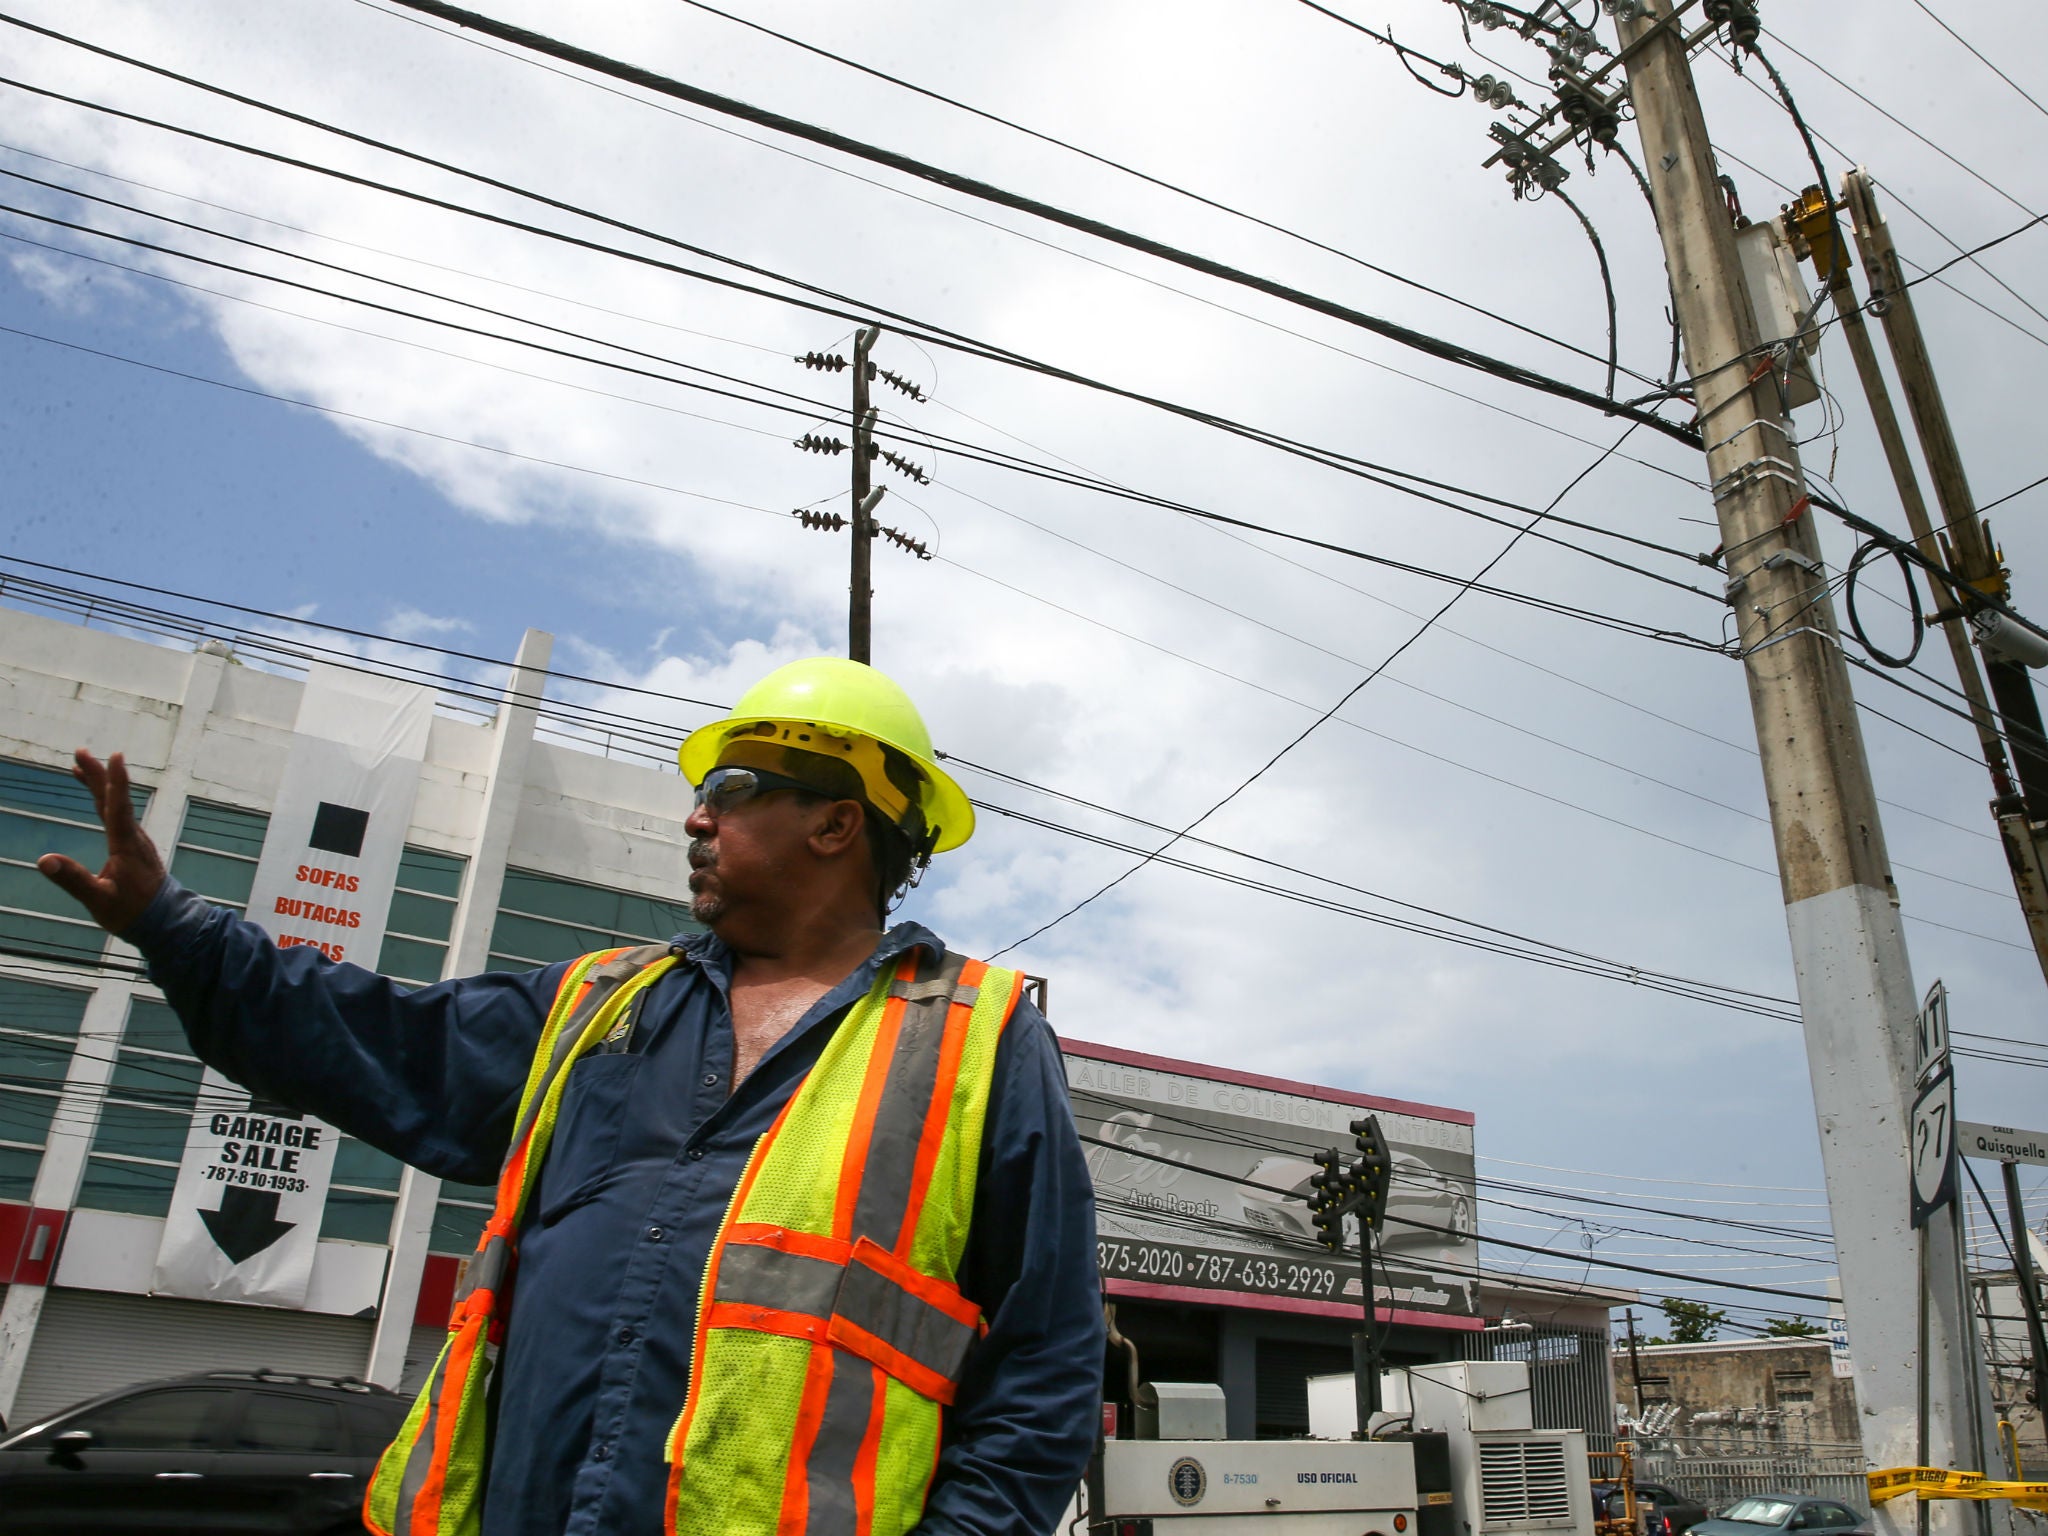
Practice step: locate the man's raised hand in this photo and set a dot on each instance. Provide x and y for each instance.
(134, 871)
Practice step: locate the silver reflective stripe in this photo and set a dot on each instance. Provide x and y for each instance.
(887, 1174)
(768, 1277)
(420, 1454)
(880, 1306)
(487, 1269)
(828, 1473)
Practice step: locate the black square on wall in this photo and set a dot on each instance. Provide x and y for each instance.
(339, 829)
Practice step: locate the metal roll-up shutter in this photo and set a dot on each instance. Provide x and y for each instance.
(422, 1349)
(89, 1342)
(1284, 1367)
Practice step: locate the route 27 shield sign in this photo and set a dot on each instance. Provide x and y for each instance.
(1932, 1147)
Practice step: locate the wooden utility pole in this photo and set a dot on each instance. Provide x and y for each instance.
(1856, 989)
(860, 589)
(1962, 544)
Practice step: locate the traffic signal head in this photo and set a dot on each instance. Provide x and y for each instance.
(1374, 1169)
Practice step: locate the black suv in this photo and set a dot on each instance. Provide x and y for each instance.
(222, 1451)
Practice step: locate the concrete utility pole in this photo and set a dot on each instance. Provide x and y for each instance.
(1855, 985)
(861, 590)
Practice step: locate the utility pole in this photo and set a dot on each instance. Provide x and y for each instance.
(860, 589)
(1964, 545)
(860, 583)
(1635, 1364)
(1855, 984)
(2029, 1284)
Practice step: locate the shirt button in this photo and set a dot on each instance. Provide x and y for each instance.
(655, 1234)
(710, 1079)
(625, 1335)
(696, 1154)
(601, 1453)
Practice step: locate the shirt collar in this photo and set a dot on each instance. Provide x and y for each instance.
(709, 953)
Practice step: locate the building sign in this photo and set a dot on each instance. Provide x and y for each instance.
(1201, 1178)
(245, 1215)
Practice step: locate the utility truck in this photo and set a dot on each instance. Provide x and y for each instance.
(1453, 1451)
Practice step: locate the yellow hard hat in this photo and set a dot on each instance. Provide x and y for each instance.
(844, 711)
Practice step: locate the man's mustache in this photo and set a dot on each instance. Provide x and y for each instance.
(702, 854)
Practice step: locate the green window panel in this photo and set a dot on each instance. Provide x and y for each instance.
(357, 1216)
(542, 920)
(45, 810)
(421, 917)
(409, 960)
(435, 874)
(38, 1031)
(116, 1184)
(223, 828)
(159, 1082)
(18, 1173)
(32, 1061)
(459, 1223)
(128, 1130)
(217, 850)
(361, 1166)
(41, 1009)
(152, 1026)
(25, 1118)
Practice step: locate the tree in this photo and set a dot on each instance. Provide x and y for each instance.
(1790, 1328)
(1693, 1322)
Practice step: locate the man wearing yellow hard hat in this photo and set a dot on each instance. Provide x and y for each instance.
(802, 1236)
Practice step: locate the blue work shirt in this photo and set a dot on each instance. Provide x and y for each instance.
(649, 1146)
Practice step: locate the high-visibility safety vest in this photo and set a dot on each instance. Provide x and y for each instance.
(830, 1333)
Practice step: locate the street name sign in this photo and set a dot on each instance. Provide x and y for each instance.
(2001, 1143)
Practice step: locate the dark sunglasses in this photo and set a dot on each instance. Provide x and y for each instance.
(725, 788)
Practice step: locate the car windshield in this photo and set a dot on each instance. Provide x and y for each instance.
(1758, 1511)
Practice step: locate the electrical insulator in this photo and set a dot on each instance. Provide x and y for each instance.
(810, 442)
(1574, 105)
(824, 522)
(899, 382)
(1491, 17)
(1739, 17)
(1550, 175)
(828, 362)
(903, 540)
(1605, 126)
(901, 465)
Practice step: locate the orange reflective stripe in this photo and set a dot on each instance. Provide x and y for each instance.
(938, 1294)
(832, 1250)
(856, 1340)
(756, 1318)
(939, 1114)
(796, 1483)
(877, 1078)
(426, 1509)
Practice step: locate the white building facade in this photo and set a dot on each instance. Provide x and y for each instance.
(520, 852)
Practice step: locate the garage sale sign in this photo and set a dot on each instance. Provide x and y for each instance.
(245, 1215)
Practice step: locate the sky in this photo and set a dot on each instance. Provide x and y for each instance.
(1525, 769)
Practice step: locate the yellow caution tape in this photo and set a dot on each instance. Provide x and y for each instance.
(1944, 1483)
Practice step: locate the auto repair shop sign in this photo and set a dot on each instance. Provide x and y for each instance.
(1201, 1183)
(252, 1186)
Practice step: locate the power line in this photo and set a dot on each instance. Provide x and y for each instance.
(801, 406)
(987, 192)
(1349, 694)
(1602, 620)
(911, 328)
(1981, 59)
(1118, 166)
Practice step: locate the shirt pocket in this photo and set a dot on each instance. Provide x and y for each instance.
(586, 1141)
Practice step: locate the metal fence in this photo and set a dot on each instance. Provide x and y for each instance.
(1569, 1378)
(1717, 1478)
